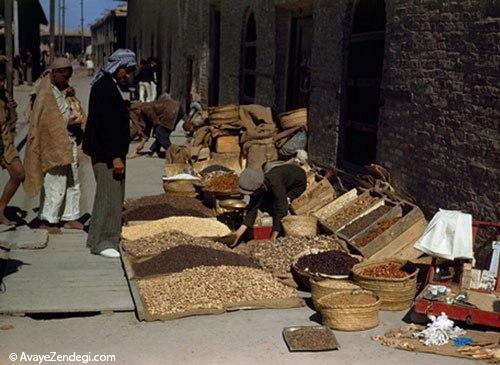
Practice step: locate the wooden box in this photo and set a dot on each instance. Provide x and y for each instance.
(396, 241)
(314, 198)
(329, 209)
(227, 144)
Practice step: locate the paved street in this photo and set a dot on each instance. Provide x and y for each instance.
(244, 337)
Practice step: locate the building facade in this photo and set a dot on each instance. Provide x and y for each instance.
(412, 85)
(109, 34)
(72, 40)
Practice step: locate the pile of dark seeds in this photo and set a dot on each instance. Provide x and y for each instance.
(310, 339)
(163, 206)
(327, 262)
(183, 257)
(361, 223)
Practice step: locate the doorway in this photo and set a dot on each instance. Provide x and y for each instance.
(214, 63)
(248, 62)
(299, 75)
(361, 103)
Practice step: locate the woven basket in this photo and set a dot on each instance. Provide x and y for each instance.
(300, 225)
(225, 114)
(394, 293)
(180, 187)
(303, 278)
(293, 118)
(355, 310)
(322, 288)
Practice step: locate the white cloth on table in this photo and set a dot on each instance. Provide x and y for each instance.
(448, 235)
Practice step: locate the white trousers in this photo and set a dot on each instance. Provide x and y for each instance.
(144, 91)
(153, 91)
(61, 186)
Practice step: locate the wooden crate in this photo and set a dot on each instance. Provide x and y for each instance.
(346, 204)
(329, 209)
(314, 198)
(227, 144)
(398, 240)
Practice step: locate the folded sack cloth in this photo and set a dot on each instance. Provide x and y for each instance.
(448, 235)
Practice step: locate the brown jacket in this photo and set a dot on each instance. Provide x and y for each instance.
(48, 144)
(161, 112)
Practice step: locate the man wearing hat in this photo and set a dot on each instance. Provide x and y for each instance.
(106, 141)
(51, 160)
(276, 187)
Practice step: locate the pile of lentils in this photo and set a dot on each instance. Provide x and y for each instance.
(328, 262)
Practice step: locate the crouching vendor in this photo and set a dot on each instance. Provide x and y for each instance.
(274, 188)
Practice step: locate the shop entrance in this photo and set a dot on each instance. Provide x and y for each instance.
(299, 74)
(248, 62)
(360, 108)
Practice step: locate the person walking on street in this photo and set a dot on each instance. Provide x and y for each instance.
(29, 68)
(51, 152)
(144, 79)
(10, 160)
(106, 141)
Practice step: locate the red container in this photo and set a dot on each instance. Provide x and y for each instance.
(262, 233)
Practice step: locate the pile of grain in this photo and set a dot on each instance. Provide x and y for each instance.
(193, 226)
(184, 257)
(213, 288)
(222, 182)
(277, 257)
(163, 206)
(311, 339)
(158, 243)
(351, 211)
(380, 228)
(361, 223)
(390, 270)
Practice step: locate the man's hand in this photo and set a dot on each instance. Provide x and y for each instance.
(274, 235)
(239, 232)
(70, 91)
(118, 166)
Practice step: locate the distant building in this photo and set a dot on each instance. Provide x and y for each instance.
(72, 40)
(31, 16)
(109, 34)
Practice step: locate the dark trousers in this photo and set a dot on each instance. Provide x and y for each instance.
(106, 222)
(162, 139)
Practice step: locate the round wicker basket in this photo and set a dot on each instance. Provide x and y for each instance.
(355, 310)
(293, 118)
(300, 225)
(322, 288)
(394, 293)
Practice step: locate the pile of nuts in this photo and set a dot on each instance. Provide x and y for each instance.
(351, 211)
(205, 288)
(223, 182)
(184, 257)
(278, 256)
(375, 232)
(196, 227)
(390, 270)
(156, 244)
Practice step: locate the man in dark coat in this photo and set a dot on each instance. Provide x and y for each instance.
(106, 141)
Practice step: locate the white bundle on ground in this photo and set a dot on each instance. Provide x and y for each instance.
(439, 332)
(193, 226)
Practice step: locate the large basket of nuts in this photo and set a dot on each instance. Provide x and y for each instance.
(394, 281)
(322, 288)
(355, 310)
(300, 225)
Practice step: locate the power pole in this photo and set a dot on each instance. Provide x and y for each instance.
(81, 23)
(51, 29)
(16, 29)
(63, 26)
(8, 45)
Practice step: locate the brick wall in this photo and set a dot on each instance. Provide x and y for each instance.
(438, 133)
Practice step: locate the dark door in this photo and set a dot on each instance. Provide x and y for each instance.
(248, 63)
(360, 110)
(214, 73)
(299, 75)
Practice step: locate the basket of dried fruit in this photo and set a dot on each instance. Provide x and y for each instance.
(300, 225)
(354, 310)
(322, 288)
(220, 185)
(321, 264)
(394, 281)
